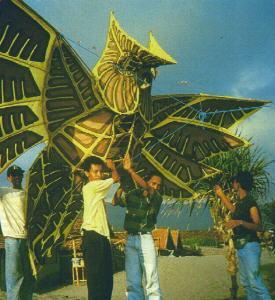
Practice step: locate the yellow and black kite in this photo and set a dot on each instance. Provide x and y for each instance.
(47, 94)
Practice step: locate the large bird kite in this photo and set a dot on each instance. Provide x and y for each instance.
(47, 94)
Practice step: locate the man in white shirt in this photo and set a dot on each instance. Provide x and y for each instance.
(19, 280)
(96, 238)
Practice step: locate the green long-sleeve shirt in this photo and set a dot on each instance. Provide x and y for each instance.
(141, 211)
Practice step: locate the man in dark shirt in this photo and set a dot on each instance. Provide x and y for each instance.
(142, 207)
(245, 222)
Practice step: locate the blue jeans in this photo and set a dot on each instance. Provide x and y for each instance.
(249, 267)
(141, 259)
(19, 279)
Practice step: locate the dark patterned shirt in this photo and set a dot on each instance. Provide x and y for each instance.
(141, 211)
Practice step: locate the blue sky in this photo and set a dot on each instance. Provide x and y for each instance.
(222, 47)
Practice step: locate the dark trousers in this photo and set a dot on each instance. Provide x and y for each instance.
(98, 265)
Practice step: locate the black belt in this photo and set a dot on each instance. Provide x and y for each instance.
(139, 233)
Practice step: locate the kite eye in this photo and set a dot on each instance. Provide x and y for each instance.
(128, 64)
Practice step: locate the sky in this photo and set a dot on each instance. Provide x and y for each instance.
(222, 47)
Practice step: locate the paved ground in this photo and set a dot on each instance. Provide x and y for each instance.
(188, 278)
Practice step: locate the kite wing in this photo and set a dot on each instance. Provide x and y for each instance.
(177, 146)
(25, 47)
(43, 83)
(54, 201)
(222, 111)
(186, 130)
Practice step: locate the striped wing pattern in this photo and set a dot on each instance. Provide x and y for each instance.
(54, 202)
(69, 87)
(25, 47)
(221, 111)
(188, 129)
(43, 83)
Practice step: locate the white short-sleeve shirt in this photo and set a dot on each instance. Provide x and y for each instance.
(12, 212)
(94, 216)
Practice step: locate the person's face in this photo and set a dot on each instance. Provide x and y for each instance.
(235, 185)
(95, 172)
(16, 180)
(155, 183)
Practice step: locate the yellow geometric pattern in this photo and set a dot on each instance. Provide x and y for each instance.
(48, 95)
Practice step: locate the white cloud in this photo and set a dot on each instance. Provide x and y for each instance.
(261, 128)
(252, 79)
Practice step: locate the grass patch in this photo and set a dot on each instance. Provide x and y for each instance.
(201, 238)
(268, 273)
(201, 242)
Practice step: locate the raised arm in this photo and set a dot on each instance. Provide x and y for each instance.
(127, 165)
(225, 200)
(111, 165)
(79, 179)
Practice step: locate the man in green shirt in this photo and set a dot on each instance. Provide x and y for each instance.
(142, 207)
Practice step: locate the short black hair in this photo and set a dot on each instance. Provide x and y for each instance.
(151, 174)
(15, 171)
(245, 179)
(91, 160)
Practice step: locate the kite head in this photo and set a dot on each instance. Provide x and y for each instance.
(126, 69)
